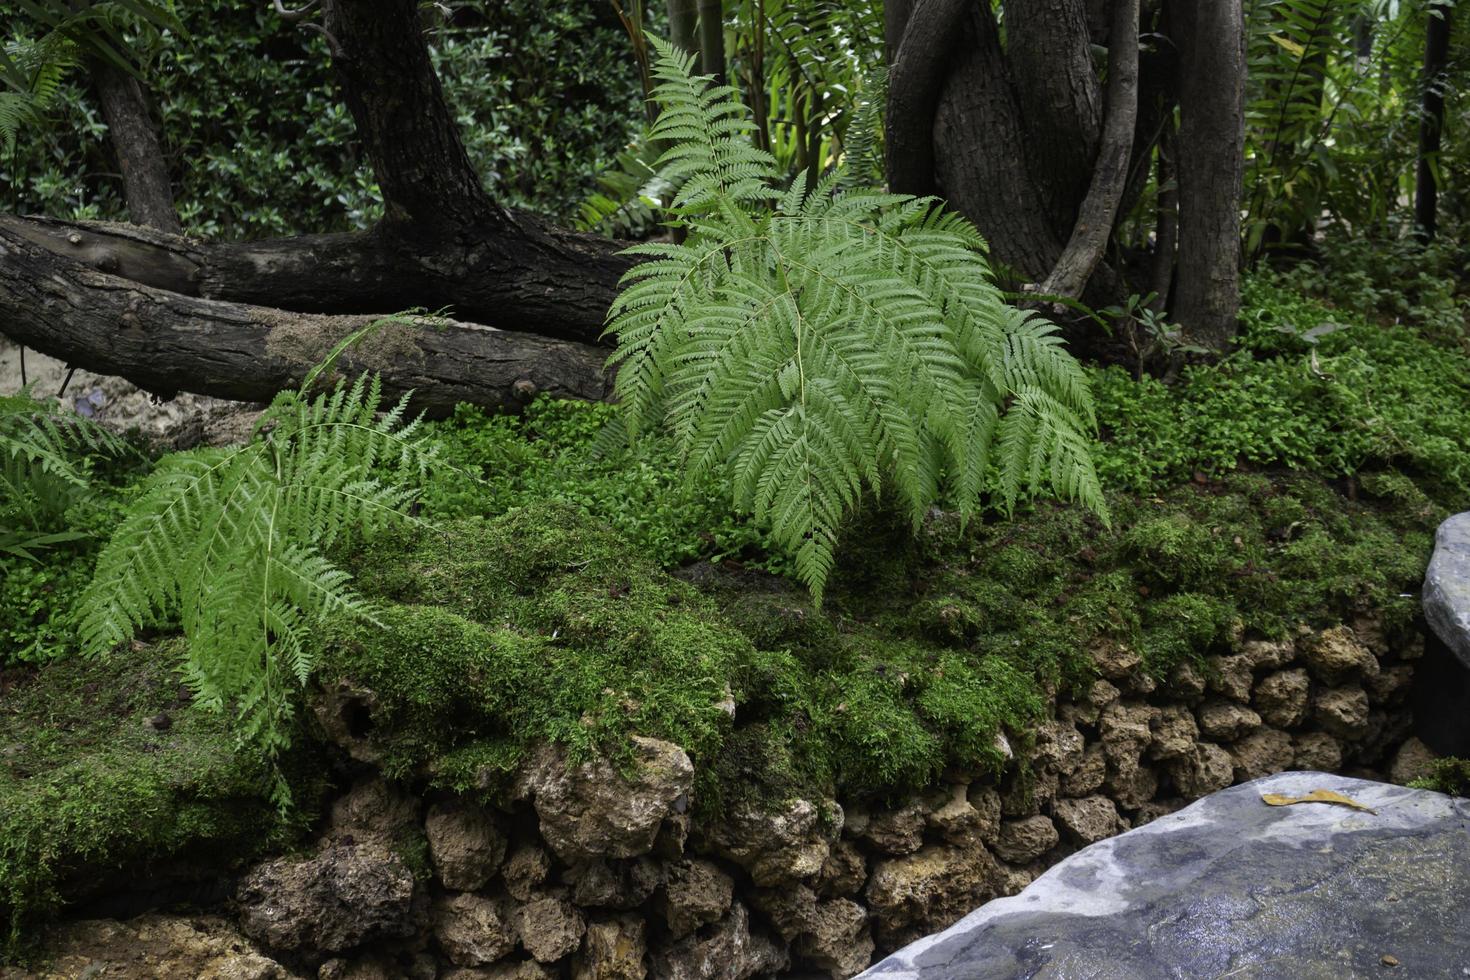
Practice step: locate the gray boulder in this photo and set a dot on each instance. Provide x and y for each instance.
(1233, 887)
(1447, 586)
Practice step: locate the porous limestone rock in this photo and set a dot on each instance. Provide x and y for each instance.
(1087, 820)
(837, 938)
(1174, 733)
(1310, 890)
(1089, 775)
(730, 951)
(1226, 721)
(465, 845)
(472, 930)
(695, 893)
(524, 871)
(1414, 760)
(1058, 747)
(1282, 698)
(899, 831)
(1342, 711)
(614, 949)
(1022, 841)
(1316, 751)
(616, 885)
(1231, 676)
(1202, 772)
(341, 897)
(374, 806)
(1261, 753)
(1335, 656)
(550, 928)
(1268, 654)
(522, 970)
(593, 810)
(916, 893)
(954, 817)
(844, 871)
(786, 844)
(158, 947)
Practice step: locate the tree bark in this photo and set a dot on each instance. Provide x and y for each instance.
(1049, 62)
(528, 277)
(1099, 210)
(980, 151)
(712, 39)
(1166, 227)
(1211, 144)
(683, 18)
(166, 342)
(915, 81)
(139, 156)
(1431, 118)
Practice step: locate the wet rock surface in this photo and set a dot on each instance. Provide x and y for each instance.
(1447, 586)
(1231, 886)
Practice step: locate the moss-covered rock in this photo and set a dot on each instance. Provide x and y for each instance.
(105, 765)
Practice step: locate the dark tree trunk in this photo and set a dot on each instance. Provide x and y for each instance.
(528, 278)
(683, 18)
(915, 80)
(140, 158)
(166, 342)
(1431, 118)
(1049, 61)
(1166, 227)
(712, 39)
(1211, 42)
(1099, 210)
(980, 151)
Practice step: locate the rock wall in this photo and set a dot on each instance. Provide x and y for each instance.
(596, 871)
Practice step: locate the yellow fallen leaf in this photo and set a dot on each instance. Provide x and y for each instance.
(1315, 796)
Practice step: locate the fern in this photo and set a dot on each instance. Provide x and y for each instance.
(232, 543)
(816, 344)
(43, 470)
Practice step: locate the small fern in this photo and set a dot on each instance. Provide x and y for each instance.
(232, 544)
(816, 344)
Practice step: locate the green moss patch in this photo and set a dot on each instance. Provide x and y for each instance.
(104, 765)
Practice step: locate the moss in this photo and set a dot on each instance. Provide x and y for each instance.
(1448, 775)
(88, 786)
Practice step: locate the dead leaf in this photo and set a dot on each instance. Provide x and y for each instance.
(1315, 796)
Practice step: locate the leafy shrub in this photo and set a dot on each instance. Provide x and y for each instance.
(1314, 388)
(816, 344)
(260, 144)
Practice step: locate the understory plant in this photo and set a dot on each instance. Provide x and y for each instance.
(816, 343)
(233, 544)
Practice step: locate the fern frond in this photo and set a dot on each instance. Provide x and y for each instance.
(831, 343)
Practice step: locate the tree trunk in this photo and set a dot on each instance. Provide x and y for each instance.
(712, 39)
(1166, 227)
(1431, 119)
(135, 142)
(528, 277)
(1211, 146)
(683, 17)
(915, 80)
(166, 342)
(1094, 225)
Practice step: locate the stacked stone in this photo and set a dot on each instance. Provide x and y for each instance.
(594, 873)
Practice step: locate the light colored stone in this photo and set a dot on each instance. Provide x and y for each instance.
(614, 949)
(954, 818)
(1088, 820)
(550, 928)
(1131, 783)
(1447, 586)
(1115, 661)
(522, 970)
(788, 844)
(837, 939)
(1058, 748)
(1268, 654)
(593, 809)
(1414, 760)
(472, 930)
(339, 898)
(1262, 753)
(1335, 656)
(1023, 794)
(695, 893)
(1342, 711)
(1338, 890)
(1022, 841)
(465, 844)
(1282, 698)
(1226, 721)
(1186, 680)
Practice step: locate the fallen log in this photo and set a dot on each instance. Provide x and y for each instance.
(167, 341)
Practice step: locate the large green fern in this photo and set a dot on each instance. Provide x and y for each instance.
(232, 544)
(818, 343)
